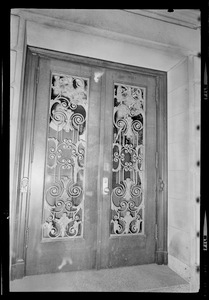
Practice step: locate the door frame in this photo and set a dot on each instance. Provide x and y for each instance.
(26, 153)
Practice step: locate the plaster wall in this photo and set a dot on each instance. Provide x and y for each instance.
(154, 46)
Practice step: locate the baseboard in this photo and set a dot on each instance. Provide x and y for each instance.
(179, 267)
(17, 270)
(161, 257)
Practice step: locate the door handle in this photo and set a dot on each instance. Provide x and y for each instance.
(106, 189)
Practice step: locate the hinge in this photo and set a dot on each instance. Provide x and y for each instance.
(26, 237)
(161, 185)
(156, 232)
(24, 185)
(156, 159)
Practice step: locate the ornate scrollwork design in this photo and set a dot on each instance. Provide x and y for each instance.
(132, 205)
(119, 191)
(64, 209)
(121, 124)
(137, 125)
(77, 119)
(54, 230)
(63, 206)
(128, 132)
(136, 225)
(66, 154)
(60, 117)
(74, 88)
(123, 205)
(136, 191)
(67, 109)
(118, 225)
(53, 192)
(73, 227)
(75, 191)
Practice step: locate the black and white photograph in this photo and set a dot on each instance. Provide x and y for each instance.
(105, 150)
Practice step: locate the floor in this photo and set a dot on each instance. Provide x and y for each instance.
(143, 278)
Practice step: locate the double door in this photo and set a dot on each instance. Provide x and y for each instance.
(92, 182)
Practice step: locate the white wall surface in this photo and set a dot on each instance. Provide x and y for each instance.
(100, 47)
(124, 25)
(183, 172)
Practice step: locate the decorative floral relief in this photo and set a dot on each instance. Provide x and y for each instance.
(63, 203)
(128, 147)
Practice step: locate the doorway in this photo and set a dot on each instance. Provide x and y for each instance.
(96, 194)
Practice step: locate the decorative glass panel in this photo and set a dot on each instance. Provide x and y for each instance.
(127, 204)
(64, 173)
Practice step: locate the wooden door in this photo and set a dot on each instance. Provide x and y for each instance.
(92, 201)
(128, 215)
(62, 223)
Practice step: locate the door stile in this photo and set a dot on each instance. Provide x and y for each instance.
(107, 167)
(32, 205)
(157, 167)
(100, 169)
(161, 193)
(27, 124)
(32, 132)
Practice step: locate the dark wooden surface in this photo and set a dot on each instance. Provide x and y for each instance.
(130, 249)
(47, 256)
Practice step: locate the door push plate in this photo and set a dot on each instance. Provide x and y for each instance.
(105, 186)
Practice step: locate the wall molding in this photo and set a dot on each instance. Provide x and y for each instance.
(186, 17)
(53, 21)
(95, 46)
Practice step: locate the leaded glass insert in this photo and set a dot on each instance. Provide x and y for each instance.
(127, 201)
(64, 172)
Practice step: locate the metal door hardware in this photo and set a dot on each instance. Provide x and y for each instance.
(106, 189)
(24, 185)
